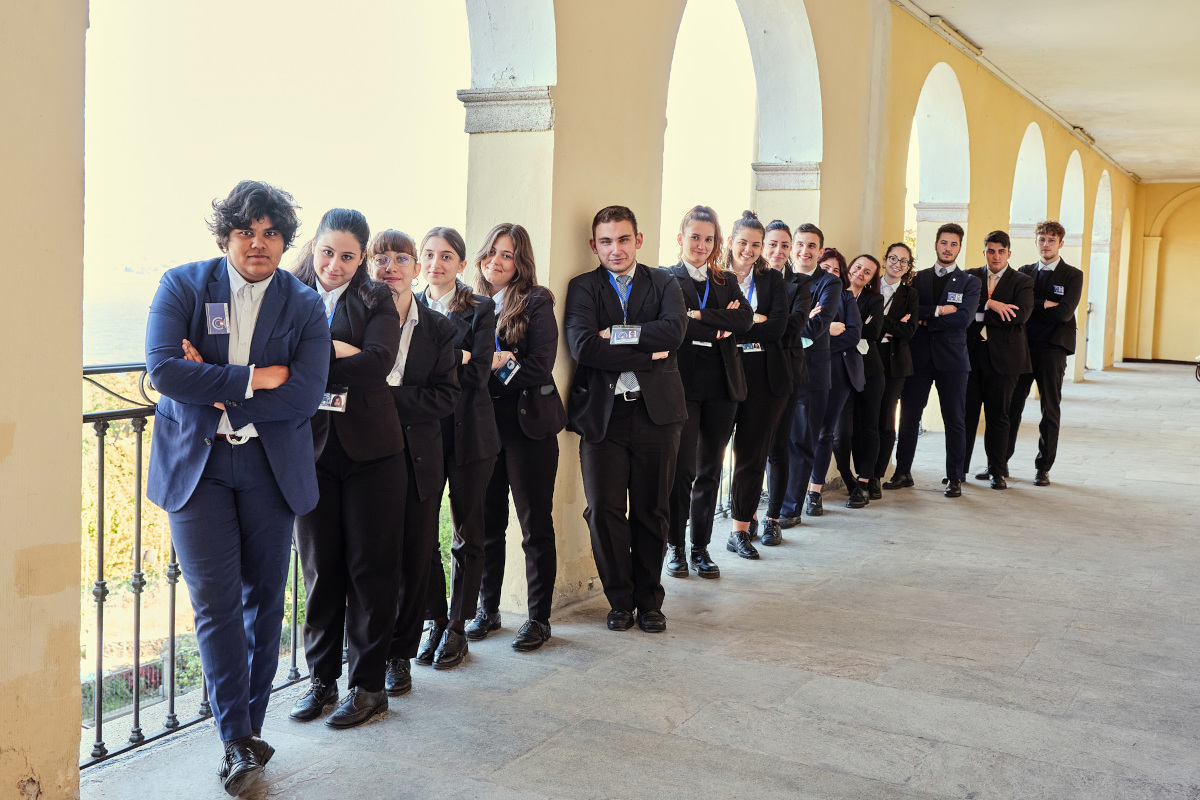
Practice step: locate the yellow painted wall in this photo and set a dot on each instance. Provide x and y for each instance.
(41, 171)
(1176, 333)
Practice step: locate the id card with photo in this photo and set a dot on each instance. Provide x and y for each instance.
(750, 347)
(333, 401)
(1060, 290)
(218, 318)
(954, 297)
(625, 334)
(506, 370)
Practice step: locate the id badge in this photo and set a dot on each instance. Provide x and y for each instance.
(751, 347)
(333, 401)
(506, 371)
(954, 297)
(218, 318)
(625, 334)
(1060, 290)
(806, 342)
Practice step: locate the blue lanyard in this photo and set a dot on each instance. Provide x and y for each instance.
(497, 338)
(331, 313)
(707, 287)
(750, 294)
(622, 296)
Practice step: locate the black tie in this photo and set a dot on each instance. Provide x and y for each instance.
(1043, 281)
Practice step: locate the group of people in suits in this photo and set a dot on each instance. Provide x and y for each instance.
(332, 405)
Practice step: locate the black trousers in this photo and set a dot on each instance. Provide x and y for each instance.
(632, 469)
(701, 456)
(351, 548)
(858, 432)
(1049, 368)
(892, 389)
(807, 416)
(528, 467)
(952, 396)
(757, 419)
(993, 391)
(468, 489)
(777, 457)
(420, 542)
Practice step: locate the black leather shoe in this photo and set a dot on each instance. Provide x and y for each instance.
(857, 498)
(873, 489)
(998, 482)
(484, 623)
(812, 505)
(450, 649)
(241, 765)
(752, 532)
(429, 643)
(262, 751)
(900, 480)
(397, 679)
(739, 542)
(704, 565)
(313, 702)
(620, 620)
(953, 488)
(358, 707)
(1042, 478)
(771, 536)
(533, 634)
(982, 476)
(652, 621)
(676, 562)
(790, 522)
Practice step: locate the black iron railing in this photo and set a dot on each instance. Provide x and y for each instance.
(121, 691)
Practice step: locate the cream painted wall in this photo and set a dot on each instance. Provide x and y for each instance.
(41, 170)
(1176, 334)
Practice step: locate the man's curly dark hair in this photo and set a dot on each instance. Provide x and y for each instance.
(250, 201)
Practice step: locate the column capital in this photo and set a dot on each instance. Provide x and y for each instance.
(1022, 230)
(791, 175)
(506, 109)
(941, 212)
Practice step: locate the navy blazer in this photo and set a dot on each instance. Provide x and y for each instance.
(940, 343)
(799, 293)
(844, 346)
(870, 310)
(825, 290)
(291, 330)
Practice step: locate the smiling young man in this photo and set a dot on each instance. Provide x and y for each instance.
(1051, 331)
(624, 321)
(240, 353)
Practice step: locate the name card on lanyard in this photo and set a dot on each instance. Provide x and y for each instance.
(625, 333)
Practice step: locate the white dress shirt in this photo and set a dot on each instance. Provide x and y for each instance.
(699, 274)
(1052, 265)
(396, 376)
(745, 287)
(439, 305)
(245, 302)
(498, 299)
(330, 299)
(888, 290)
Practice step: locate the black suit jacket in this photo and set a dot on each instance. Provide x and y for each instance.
(474, 435)
(716, 317)
(772, 297)
(540, 409)
(904, 303)
(799, 292)
(870, 311)
(368, 428)
(1054, 326)
(656, 303)
(941, 343)
(1006, 345)
(429, 392)
(826, 289)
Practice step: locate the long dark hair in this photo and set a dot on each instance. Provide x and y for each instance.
(873, 284)
(780, 225)
(514, 317)
(343, 220)
(748, 220)
(706, 214)
(832, 252)
(462, 299)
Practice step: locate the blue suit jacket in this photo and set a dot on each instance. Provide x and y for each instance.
(291, 330)
(826, 290)
(845, 345)
(940, 343)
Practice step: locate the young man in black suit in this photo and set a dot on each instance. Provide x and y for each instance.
(947, 299)
(999, 353)
(1051, 332)
(624, 322)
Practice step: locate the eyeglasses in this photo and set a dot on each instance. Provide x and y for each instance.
(904, 262)
(402, 261)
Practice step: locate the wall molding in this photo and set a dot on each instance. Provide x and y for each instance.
(1022, 230)
(941, 212)
(503, 110)
(786, 176)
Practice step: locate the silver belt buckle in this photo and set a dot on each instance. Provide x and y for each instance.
(236, 439)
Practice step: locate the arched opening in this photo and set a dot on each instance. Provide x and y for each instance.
(1098, 319)
(1070, 215)
(1123, 319)
(943, 147)
(1176, 335)
(1028, 206)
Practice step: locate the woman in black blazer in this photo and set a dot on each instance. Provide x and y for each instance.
(845, 374)
(900, 307)
(470, 442)
(529, 414)
(350, 544)
(858, 432)
(424, 388)
(766, 362)
(713, 384)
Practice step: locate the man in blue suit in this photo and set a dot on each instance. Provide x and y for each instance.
(948, 298)
(240, 353)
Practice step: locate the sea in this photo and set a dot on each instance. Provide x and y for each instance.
(115, 307)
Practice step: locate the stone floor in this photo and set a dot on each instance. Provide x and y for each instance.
(1036, 643)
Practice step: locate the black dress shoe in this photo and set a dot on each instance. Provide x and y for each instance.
(620, 620)
(900, 480)
(1042, 478)
(262, 751)
(704, 565)
(857, 498)
(533, 634)
(790, 522)
(739, 542)
(313, 702)
(752, 532)
(241, 766)
(450, 650)
(771, 536)
(998, 482)
(358, 707)
(982, 476)
(953, 488)
(484, 623)
(873, 489)
(676, 562)
(396, 678)
(652, 621)
(812, 505)
(430, 642)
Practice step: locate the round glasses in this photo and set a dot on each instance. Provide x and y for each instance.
(402, 261)
(896, 260)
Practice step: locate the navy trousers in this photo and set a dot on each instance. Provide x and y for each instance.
(233, 537)
(952, 395)
(806, 425)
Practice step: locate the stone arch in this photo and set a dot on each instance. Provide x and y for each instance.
(944, 151)
(1099, 323)
(1071, 207)
(1028, 205)
(1170, 208)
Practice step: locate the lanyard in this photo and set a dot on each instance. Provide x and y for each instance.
(331, 313)
(750, 294)
(496, 336)
(622, 296)
(707, 287)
